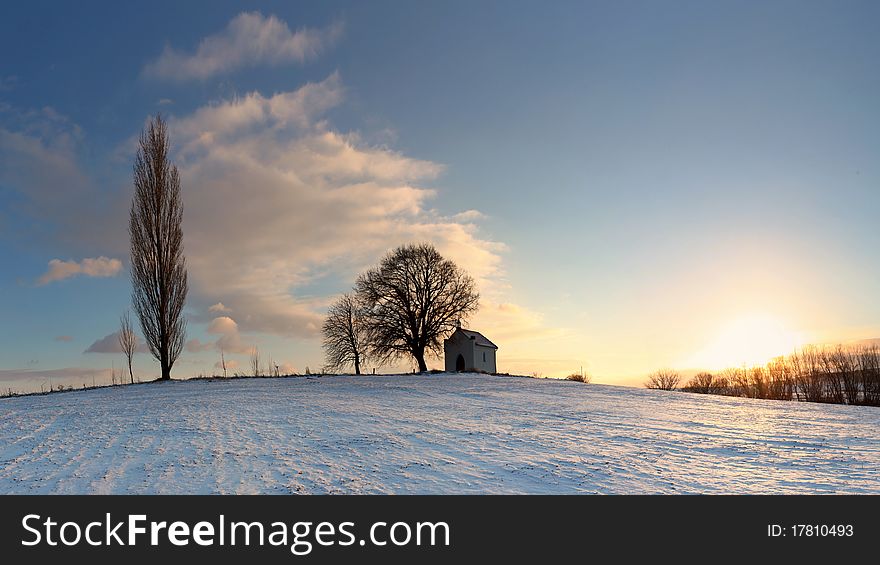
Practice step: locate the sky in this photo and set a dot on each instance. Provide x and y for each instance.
(634, 185)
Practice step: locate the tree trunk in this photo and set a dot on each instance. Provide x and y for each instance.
(166, 372)
(420, 358)
(357, 364)
(130, 372)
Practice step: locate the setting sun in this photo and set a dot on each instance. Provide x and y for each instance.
(747, 340)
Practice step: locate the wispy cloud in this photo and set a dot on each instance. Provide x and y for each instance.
(69, 375)
(89, 267)
(250, 38)
(8, 83)
(64, 207)
(110, 344)
(64, 338)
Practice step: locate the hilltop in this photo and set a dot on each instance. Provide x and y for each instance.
(447, 433)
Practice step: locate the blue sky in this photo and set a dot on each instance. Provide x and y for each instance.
(627, 180)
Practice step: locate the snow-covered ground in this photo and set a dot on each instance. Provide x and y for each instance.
(429, 434)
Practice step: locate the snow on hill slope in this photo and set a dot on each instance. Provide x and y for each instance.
(429, 434)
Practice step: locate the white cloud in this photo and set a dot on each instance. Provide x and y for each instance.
(228, 338)
(89, 267)
(469, 216)
(219, 308)
(275, 197)
(213, 124)
(249, 39)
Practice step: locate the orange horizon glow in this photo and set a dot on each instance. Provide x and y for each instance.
(748, 340)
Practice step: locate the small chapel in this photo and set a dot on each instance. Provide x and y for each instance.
(469, 350)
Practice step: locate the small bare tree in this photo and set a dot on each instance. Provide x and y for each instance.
(664, 379)
(757, 382)
(806, 369)
(701, 383)
(413, 300)
(830, 376)
(844, 364)
(158, 266)
(346, 335)
(127, 341)
(255, 362)
(780, 384)
(869, 373)
(223, 362)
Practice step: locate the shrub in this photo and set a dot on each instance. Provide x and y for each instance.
(664, 379)
(579, 377)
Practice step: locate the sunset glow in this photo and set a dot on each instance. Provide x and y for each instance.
(749, 340)
(631, 187)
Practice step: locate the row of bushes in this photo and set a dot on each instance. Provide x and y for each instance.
(839, 375)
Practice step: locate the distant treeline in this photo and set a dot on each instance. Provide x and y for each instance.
(837, 375)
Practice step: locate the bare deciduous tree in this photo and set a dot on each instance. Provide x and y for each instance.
(413, 300)
(223, 362)
(844, 362)
(346, 334)
(664, 379)
(780, 383)
(701, 383)
(869, 373)
(158, 266)
(255, 362)
(807, 369)
(127, 341)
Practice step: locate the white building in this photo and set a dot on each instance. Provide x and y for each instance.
(467, 350)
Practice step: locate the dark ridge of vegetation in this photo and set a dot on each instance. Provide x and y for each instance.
(834, 375)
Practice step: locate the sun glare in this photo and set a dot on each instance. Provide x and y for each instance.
(748, 340)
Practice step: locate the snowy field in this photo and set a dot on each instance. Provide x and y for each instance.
(429, 434)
